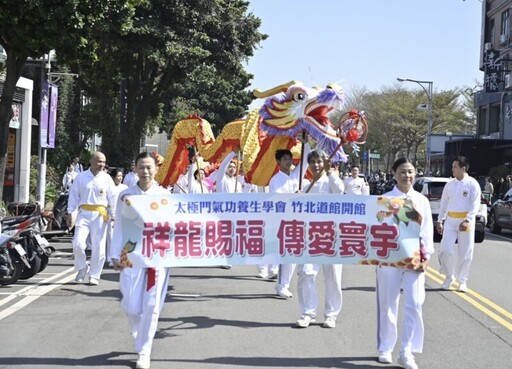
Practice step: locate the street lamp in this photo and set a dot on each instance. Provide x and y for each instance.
(429, 91)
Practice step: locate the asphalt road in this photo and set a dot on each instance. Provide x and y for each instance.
(216, 318)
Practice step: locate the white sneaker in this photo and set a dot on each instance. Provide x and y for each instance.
(262, 275)
(463, 287)
(272, 275)
(81, 274)
(385, 357)
(304, 321)
(447, 283)
(283, 291)
(94, 281)
(143, 362)
(330, 322)
(407, 361)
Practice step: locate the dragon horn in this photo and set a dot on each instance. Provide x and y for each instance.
(281, 88)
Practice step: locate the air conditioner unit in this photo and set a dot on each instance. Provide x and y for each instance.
(508, 81)
(503, 39)
(487, 46)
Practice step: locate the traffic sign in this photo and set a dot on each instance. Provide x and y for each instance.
(374, 156)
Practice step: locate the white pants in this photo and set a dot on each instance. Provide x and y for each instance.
(389, 282)
(268, 269)
(466, 245)
(90, 223)
(285, 274)
(143, 306)
(307, 293)
(108, 242)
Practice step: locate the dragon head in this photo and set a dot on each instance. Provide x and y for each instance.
(294, 108)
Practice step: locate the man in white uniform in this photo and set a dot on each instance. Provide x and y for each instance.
(460, 203)
(355, 185)
(287, 181)
(324, 181)
(227, 177)
(131, 178)
(93, 195)
(143, 289)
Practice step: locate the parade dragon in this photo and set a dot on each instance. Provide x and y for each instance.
(288, 111)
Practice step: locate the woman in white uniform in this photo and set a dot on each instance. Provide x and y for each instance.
(390, 280)
(143, 289)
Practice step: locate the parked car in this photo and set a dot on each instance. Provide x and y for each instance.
(432, 188)
(500, 213)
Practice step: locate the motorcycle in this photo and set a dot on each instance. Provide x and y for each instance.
(13, 257)
(54, 221)
(28, 250)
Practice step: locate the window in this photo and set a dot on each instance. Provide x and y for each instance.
(505, 25)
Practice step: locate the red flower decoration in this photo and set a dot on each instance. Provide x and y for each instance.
(352, 135)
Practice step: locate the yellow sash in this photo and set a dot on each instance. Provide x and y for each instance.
(457, 214)
(102, 209)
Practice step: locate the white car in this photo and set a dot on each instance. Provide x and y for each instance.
(432, 188)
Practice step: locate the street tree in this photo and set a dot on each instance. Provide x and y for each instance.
(31, 28)
(399, 119)
(177, 58)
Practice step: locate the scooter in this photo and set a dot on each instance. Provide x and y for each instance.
(13, 257)
(54, 221)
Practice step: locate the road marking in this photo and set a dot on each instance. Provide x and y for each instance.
(471, 296)
(23, 291)
(38, 292)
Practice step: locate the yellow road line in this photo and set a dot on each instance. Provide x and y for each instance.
(478, 296)
(436, 276)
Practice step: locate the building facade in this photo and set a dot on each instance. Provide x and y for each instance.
(494, 101)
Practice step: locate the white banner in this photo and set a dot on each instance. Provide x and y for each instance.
(261, 228)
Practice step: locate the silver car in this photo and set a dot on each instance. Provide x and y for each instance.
(500, 214)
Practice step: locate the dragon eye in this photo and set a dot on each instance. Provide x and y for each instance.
(298, 96)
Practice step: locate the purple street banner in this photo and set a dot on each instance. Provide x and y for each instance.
(43, 121)
(219, 229)
(52, 122)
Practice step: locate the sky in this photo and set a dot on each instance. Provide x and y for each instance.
(367, 43)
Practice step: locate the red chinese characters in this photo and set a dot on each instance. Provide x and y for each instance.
(291, 237)
(249, 238)
(187, 239)
(219, 238)
(384, 238)
(321, 237)
(353, 239)
(156, 238)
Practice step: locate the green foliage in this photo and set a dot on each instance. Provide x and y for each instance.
(177, 58)
(53, 181)
(398, 127)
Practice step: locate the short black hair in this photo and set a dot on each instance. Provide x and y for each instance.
(144, 155)
(399, 162)
(463, 162)
(282, 153)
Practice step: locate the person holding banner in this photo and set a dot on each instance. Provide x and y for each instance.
(92, 194)
(143, 289)
(391, 280)
(324, 181)
(227, 176)
(287, 180)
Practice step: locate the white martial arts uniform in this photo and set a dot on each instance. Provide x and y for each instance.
(110, 226)
(284, 183)
(389, 282)
(193, 185)
(88, 190)
(356, 186)
(141, 302)
(226, 184)
(131, 179)
(307, 273)
(460, 200)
